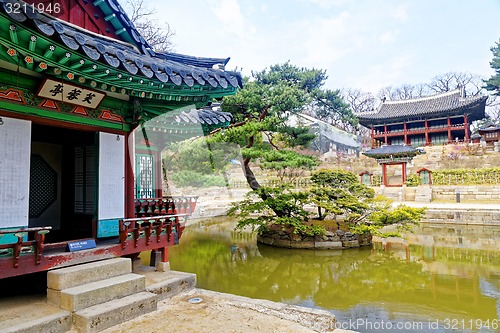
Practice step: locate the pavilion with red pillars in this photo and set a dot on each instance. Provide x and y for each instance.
(438, 119)
(397, 156)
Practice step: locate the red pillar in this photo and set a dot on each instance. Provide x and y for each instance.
(403, 172)
(405, 133)
(384, 174)
(129, 176)
(466, 127)
(158, 174)
(373, 137)
(164, 254)
(426, 125)
(385, 134)
(449, 130)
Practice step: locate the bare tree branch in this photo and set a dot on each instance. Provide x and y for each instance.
(158, 35)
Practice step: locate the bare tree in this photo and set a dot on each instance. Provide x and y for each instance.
(158, 35)
(493, 107)
(405, 91)
(472, 83)
(358, 100)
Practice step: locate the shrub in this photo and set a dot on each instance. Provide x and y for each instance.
(192, 178)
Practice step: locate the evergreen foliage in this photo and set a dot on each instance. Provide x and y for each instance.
(335, 193)
(493, 83)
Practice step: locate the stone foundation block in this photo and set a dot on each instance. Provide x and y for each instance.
(349, 244)
(328, 245)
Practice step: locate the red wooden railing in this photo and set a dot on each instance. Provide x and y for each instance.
(35, 246)
(158, 224)
(166, 205)
(151, 229)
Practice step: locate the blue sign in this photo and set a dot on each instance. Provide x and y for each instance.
(107, 228)
(81, 245)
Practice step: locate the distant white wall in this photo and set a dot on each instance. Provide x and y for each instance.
(15, 146)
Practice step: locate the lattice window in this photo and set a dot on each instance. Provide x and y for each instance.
(43, 186)
(84, 179)
(145, 181)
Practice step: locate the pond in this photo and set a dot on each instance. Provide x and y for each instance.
(444, 278)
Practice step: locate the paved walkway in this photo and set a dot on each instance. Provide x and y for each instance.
(225, 313)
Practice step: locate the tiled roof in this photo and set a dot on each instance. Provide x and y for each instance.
(209, 115)
(339, 137)
(140, 61)
(436, 105)
(490, 128)
(395, 150)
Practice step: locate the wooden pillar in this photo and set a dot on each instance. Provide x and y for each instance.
(129, 176)
(403, 172)
(164, 254)
(466, 127)
(449, 130)
(384, 174)
(373, 137)
(158, 174)
(405, 130)
(385, 134)
(426, 125)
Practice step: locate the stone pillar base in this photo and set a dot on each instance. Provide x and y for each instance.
(162, 266)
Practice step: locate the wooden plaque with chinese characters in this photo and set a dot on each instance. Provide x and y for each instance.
(69, 93)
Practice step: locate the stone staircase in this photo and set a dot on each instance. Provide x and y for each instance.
(95, 296)
(424, 194)
(100, 294)
(394, 193)
(92, 297)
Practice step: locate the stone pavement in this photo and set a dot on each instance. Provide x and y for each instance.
(204, 311)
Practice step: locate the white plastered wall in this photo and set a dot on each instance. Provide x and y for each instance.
(15, 152)
(111, 191)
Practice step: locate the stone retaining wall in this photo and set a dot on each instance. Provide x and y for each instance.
(431, 193)
(462, 216)
(467, 193)
(331, 241)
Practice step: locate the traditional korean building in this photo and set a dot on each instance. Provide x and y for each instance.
(82, 100)
(393, 156)
(432, 120)
(490, 134)
(330, 139)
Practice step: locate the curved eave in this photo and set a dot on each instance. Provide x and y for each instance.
(396, 155)
(40, 53)
(192, 60)
(115, 54)
(124, 27)
(475, 109)
(396, 151)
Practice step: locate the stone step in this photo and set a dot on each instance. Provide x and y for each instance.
(84, 296)
(171, 284)
(69, 277)
(59, 322)
(99, 317)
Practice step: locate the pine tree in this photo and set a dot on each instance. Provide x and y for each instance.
(493, 83)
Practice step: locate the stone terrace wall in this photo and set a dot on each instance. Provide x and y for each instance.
(463, 216)
(467, 193)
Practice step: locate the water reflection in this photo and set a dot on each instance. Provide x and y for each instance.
(395, 283)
